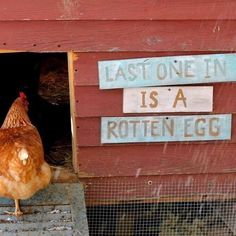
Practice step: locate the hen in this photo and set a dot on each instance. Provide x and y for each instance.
(23, 169)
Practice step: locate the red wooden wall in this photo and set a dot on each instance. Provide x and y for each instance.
(101, 30)
(102, 26)
(99, 160)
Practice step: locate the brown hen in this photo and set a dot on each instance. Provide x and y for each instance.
(23, 170)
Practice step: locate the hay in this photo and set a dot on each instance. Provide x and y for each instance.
(60, 156)
(53, 82)
(54, 88)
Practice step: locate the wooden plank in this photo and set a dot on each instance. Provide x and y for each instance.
(159, 71)
(53, 232)
(40, 216)
(85, 77)
(89, 130)
(70, 56)
(165, 128)
(49, 225)
(59, 207)
(168, 99)
(111, 36)
(165, 159)
(92, 102)
(117, 10)
(165, 188)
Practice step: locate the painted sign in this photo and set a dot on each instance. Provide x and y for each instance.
(160, 71)
(168, 99)
(165, 128)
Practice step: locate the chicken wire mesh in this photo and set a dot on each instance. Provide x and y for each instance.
(195, 209)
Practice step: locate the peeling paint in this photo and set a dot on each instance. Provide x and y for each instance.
(151, 41)
(138, 172)
(70, 8)
(216, 29)
(114, 49)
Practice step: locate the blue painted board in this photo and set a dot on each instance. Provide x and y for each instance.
(165, 128)
(160, 71)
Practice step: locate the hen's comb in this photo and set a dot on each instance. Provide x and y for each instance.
(23, 96)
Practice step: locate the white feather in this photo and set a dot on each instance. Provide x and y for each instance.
(23, 154)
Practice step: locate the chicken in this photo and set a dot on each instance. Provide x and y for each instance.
(23, 170)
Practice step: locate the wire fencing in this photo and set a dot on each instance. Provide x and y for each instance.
(117, 208)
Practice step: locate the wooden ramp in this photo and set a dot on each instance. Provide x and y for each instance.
(57, 210)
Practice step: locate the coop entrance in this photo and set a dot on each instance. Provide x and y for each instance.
(43, 77)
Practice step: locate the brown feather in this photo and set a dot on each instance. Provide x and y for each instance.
(19, 180)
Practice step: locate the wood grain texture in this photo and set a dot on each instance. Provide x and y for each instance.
(89, 130)
(92, 102)
(167, 188)
(116, 10)
(70, 58)
(157, 160)
(88, 36)
(165, 128)
(83, 76)
(168, 99)
(65, 201)
(162, 71)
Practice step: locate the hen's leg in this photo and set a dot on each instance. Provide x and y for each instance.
(17, 211)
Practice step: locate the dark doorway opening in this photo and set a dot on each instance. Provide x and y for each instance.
(43, 77)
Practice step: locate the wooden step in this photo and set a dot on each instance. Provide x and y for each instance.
(56, 210)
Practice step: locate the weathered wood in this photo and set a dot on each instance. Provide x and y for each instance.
(92, 102)
(60, 207)
(167, 188)
(86, 77)
(70, 57)
(91, 36)
(49, 226)
(159, 71)
(90, 135)
(116, 10)
(50, 209)
(165, 128)
(132, 160)
(40, 232)
(168, 99)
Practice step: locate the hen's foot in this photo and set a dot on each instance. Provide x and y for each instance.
(15, 213)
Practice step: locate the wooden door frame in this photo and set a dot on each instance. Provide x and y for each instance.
(71, 58)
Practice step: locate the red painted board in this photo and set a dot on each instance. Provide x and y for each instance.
(202, 187)
(93, 102)
(88, 36)
(89, 134)
(83, 76)
(156, 160)
(116, 10)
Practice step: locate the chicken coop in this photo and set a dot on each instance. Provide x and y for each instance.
(135, 100)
